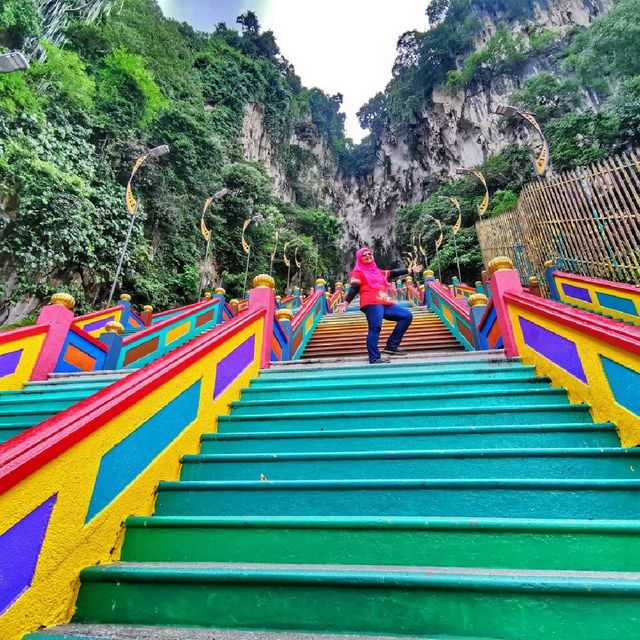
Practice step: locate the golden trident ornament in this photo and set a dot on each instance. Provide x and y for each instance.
(484, 205)
(288, 263)
(456, 228)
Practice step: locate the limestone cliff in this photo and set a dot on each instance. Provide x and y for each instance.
(454, 131)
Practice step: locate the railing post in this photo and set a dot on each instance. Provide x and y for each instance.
(428, 276)
(233, 306)
(284, 317)
(477, 308)
(534, 286)
(480, 287)
(147, 315)
(125, 303)
(278, 299)
(549, 268)
(504, 278)
(261, 296)
(112, 339)
(59, 316)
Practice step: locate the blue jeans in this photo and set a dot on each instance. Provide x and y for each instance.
(375, 314)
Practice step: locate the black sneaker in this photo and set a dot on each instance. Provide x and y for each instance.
(380, 361)
(394, 352)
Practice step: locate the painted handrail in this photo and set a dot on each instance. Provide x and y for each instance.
(67, 484)
(463, 290)
(19, 352)
(615, 299)
(454, 314)
(414, 294)
(94, 323)
(489, 333)
(336, 298)
(172, 313)
(305, 322)
(146, 345)
(596, 359)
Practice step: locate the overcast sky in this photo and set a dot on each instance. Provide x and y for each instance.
(340, 46)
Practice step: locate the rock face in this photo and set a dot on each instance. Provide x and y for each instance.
(456, 131)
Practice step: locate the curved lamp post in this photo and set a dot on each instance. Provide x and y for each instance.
(438, 244)
(13, 61)
(246, 247)
(456, 228)
(273, 253)
(206, 233)
(132, 205)
(484, 205)
(541, 163)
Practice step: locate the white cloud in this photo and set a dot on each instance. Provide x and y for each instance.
(343, 46)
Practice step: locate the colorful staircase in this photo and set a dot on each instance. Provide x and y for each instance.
(450, 497)
(38, 401)
(346, 334)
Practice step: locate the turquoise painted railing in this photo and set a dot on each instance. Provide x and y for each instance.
(453, 312)
(152, 342)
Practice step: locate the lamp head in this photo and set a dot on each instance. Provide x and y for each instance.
(462, 171)
(218, 195)
(156, 152)
(506, 110)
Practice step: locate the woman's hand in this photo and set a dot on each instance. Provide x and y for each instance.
(417, 269)
(341, 308)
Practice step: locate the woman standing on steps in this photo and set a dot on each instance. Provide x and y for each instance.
(372, 283)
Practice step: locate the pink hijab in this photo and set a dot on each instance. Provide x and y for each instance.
(371, 272)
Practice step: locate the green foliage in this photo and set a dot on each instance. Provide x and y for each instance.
(505, 173)
(127, 92)
(547, 97)
(72, 126)
(19, 19)
(503, 52)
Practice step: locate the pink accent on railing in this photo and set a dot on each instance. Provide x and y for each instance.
(264, 299)
(95, 314)
(441, 290)
(158, 326)
(414, 291)
(305, 309)
(10, 335)
(334, 299)
(610, 331)
(503, 282)
(608, 284)
(23, 454)
(58, 319)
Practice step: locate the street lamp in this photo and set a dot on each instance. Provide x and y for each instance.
(541, 163)
(132, 205)
(438, 244)
(13, 61)
(484, 205)
(456, 228)
(206, 233)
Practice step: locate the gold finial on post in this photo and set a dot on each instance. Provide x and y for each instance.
(321, 282)
(284, 314)
(428, 274)
(114, 327)
(477, 300)
(148, 308)
(501, 263)
(207, 295)
(65, 300)
(125, 297)
(264, 281)
(549, 263)
(219, 291)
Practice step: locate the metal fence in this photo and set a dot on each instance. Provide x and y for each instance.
(587, 221)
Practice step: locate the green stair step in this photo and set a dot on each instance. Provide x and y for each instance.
(402, 399)
(422, 386)
(36, 399)
(594, 545)
(439, 367)
(6, 434)
(34, 408)
(511, 436)
(510, 604)
(88, 386)
(470, 415)
(576, 499)
(25, 421)
(614, 463)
